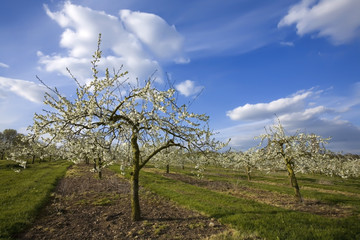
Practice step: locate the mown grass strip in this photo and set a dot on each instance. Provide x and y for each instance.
(351, 185)
(284, 188)
(23, 194)
(331, 198)
(250, 216)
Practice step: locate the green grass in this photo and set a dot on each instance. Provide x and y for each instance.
(279, 182)
(252, 217)
(23, 194)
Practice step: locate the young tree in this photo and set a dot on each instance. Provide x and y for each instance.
(242, 160)
(111, 108)
(298, 151)
(100, 150)
(8, 139)
(173, 156)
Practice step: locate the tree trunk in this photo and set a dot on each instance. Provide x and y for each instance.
(95, 167)
(293, 181)
(167, 168)
(100, 168)
(248, 171)
(33, 159)
(135, 202)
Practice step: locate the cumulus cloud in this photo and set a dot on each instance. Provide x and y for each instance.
(136, 40)
(304, 115)
(320, 112)
(163, 40)
(337, 19)
(188, 88)
(3, 65)
(28, 90)
(267, 110)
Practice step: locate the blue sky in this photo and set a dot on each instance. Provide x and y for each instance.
(298, 59)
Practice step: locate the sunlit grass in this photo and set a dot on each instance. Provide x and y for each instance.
(23, 194)
(339, 191)
(255, 218)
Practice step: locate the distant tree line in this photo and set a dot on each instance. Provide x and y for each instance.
(24, 149)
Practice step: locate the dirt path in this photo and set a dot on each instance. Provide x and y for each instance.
(85, 207)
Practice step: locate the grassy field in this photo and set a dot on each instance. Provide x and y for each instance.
(255, 218)
(333, 190)
(222, 194)
(23, 193)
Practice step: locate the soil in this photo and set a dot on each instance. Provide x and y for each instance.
(268, 197)
(86, 207)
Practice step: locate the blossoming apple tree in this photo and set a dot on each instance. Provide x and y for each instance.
(110, 109)
(299, 152)
(241, 160)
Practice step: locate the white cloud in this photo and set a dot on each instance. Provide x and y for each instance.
(163, 40)
(3, 65)
(304, 115)
(267, 110)
(138, 41)
(337, 19)
(319, 112)
(188, 88)
(289, 44)
(28, 90)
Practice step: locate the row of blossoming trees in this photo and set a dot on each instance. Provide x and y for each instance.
(21, 149)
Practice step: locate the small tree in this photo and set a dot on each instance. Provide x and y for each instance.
(169, 157)
(9, 138)
(241, 160)
(87, 147)
(110, 108)
(298, 151)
